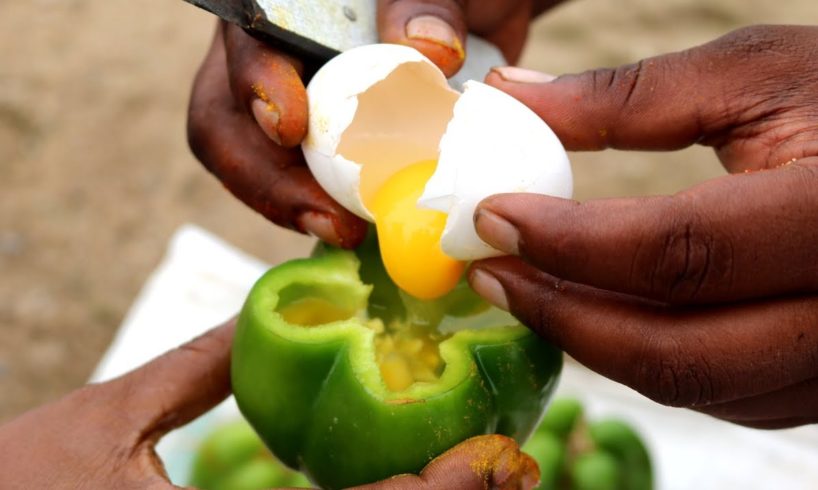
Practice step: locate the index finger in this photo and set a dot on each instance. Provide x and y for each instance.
(709, 244)
(267, 177)
(690, 357)
(673, 100)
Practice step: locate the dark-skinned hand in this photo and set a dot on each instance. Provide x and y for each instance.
(248, 108)
(103, 435)
(706, 299)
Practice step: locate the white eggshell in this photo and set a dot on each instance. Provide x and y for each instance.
(388, 106)
(333, 102)
(494, 144)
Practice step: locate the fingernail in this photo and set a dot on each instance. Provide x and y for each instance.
(267, 117)
(522, 75)
(497, 232)
(319, 225)
(489, 288)
(435, 29)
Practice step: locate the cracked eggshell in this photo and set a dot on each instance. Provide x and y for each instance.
(379, 108)
(493, 145)
(373, 105)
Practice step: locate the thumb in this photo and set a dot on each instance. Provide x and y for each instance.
(178, 386)
(436, 28)
(490, 461)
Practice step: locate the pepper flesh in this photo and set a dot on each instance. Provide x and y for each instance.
(315, 393)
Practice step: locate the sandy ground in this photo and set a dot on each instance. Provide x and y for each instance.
(95, 173)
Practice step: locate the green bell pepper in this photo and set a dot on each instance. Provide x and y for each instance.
(562, 417)
(595, 470)
(621, 440)
(574, 453)
(349, 380)
(232, 457)
(550, 453)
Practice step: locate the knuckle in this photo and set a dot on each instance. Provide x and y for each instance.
(623, 85)
(599, 88)
(668, 374)
(625, 93)
(601, 80)
(688, 261)
(561, 246)
(755, 40)
(629, 77)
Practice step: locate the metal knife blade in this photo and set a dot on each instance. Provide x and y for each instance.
(321, 29)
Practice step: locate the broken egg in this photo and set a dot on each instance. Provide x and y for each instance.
(393, 143)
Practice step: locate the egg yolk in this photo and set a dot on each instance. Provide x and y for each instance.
(409, 236)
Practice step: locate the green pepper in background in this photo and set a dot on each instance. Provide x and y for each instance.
(596, 470)
(348, 379)
(550, 453)
(576, 454)
(561, 417)
(234, 458)
(622, 441)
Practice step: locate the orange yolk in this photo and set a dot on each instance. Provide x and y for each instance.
(409, 236)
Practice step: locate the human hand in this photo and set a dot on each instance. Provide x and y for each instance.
(103, 436)
(247, 116)
(706, 299)
(438, 28)
(248, 109)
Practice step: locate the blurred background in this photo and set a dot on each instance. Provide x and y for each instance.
(95, 173)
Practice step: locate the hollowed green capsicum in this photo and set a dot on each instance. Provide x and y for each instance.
(321, 358)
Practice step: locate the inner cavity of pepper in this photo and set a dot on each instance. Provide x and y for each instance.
(405, 353)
